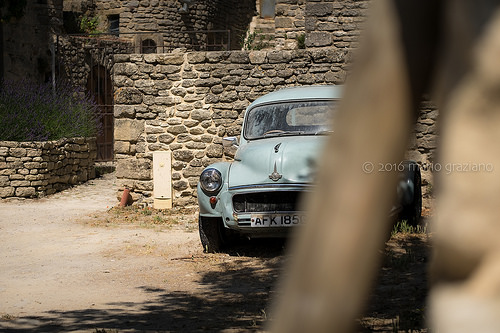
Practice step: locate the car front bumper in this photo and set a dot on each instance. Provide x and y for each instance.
(237, 206)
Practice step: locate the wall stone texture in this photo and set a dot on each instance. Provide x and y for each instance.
(34, 169)
(323, 23)
(78, 57)
(333, 23)
(186, 103)
(26, 41)
(164, 18)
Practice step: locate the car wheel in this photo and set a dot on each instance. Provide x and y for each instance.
(412, 211)
(210, 234)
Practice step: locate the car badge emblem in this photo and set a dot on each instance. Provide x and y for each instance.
(277, 148)
(275, 176)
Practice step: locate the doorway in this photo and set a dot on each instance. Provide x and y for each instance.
(99, 84)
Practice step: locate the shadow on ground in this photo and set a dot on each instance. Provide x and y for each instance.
(232, 296)
(398, 301)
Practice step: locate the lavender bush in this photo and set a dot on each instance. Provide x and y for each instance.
(35, 112)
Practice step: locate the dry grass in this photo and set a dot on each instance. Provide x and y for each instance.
(181, 219)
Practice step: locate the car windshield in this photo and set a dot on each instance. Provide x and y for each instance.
(289, 118)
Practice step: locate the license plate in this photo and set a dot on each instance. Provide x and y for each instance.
(275, 220)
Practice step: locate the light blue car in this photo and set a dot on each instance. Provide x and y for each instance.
(258, 194)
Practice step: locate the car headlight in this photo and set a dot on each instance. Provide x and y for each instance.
(211, 180)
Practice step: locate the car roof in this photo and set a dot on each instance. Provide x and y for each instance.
(300, 93)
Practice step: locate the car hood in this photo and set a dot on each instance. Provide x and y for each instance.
(276, 160)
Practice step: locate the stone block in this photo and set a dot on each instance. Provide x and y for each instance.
(32, 152)
(127, 69)
(128, 95)
(23, 172)
(180, 185)
(132, 168)
(124, 111)
(196, 57)
(319, 9)
(167, 100)
(183, 155)
(17, 183)
(231, 80)
(4, 181)
(167, 69)
(122, 147)
(128, 129)
(215, 150)
(192, 172)
(25, 191)
(118, 58)
(9, 144)
(170, 59)
(123, 81)
(73, 180)
(196, 145)
(239, 57)
(17, 152)
(317, 39)
(7, 192)
(144, 185)
(176, 130)
(196, 131)
(284, 22)
(207, 82)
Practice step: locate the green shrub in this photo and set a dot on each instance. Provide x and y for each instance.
(254, 41)
(89, 25)
(36, 112)
(301, 41)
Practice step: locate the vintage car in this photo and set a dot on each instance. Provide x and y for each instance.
(257, 195)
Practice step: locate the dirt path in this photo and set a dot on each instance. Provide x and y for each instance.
(59, 274)
(70, 263)
(51, 264)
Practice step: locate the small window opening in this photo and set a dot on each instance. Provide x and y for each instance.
(114, 24)
(148, 46)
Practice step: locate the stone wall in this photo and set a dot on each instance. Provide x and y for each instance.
(323, 23)
(422, 148)
(78, 56)
(187, 103)
(26, 41)
(152, 16)
(33, 169)
(333, 23)
(290, 23)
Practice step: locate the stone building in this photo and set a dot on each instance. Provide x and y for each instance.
(310, 24)
(26, 45)
(161, 26)
(176, 75)
(153, 26)
(254, 24)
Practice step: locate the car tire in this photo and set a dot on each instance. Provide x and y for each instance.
(210, 234)
(412, 211)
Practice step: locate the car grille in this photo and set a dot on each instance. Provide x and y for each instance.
(278, 201)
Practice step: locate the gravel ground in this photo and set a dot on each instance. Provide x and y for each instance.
(73, 261)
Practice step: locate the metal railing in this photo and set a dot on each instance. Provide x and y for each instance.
(164, 41)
